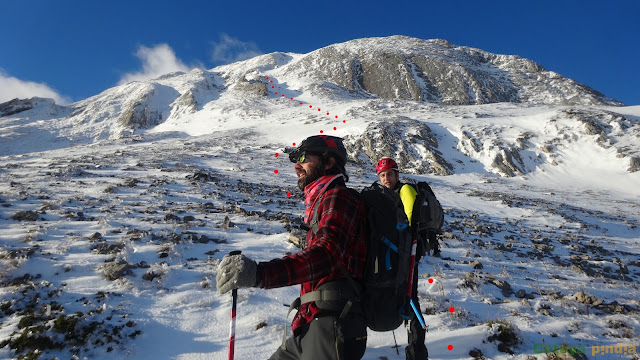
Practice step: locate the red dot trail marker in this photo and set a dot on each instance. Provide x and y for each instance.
(430, 281)
(321, 131)
(450, 347)
(451, 309)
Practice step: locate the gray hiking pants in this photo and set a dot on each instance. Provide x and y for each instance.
(416, 350)
(327, 338)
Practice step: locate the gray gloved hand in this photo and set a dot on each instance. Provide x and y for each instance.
(236, 271)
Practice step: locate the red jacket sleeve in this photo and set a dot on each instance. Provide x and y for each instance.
(338, 243)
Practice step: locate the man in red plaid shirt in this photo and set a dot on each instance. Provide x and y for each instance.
(333, 258)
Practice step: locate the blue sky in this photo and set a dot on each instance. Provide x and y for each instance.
(70, 50)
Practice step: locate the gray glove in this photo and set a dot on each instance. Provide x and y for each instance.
(236, 271)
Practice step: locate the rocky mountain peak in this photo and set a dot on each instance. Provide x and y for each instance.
(437, 71)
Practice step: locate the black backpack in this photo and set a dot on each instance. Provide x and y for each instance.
(428, 214)
(384, 296)
(384, 292)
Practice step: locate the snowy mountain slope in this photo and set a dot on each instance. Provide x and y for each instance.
(114, 247)
(114, 211)
(508, 139)
(397, 67)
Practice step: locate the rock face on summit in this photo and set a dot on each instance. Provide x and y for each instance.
(437, 71)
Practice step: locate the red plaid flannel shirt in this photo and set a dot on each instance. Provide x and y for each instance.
(339, 242)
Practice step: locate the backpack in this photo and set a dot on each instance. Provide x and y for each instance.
(429, 215)
(383, 291)
(384, 296)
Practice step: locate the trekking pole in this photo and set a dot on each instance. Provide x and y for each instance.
(232, 324)
(414, 247)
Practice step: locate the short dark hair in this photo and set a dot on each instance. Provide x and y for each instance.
(337, 168)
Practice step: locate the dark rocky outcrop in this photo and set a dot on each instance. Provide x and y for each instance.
(410, 142)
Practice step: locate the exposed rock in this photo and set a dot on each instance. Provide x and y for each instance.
(202, 175)
(400, 67)
(634, 164)
(186, 103)
(508, 162)
(521, 294)
(16, 106)
(502, 285)
(505, 333)
(150, 275)
(105, 249)
(22, 253)
(96, 237)
(583, 298)
(145, 108)
(227, 223)
(171, 218)
(21, 280)
(117, 270)
(410, 142)
(297, 237)
(476, 354)
(27, 215)
(254, 86)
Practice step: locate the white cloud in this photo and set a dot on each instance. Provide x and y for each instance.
(230, 49)
(156, 61)
(12, 87)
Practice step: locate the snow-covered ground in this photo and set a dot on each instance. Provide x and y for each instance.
(109, 248)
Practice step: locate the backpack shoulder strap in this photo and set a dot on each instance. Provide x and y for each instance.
(315, 219)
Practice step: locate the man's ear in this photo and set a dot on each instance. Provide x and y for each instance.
(330, 163)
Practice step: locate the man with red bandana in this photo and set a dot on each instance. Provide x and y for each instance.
(333, 257)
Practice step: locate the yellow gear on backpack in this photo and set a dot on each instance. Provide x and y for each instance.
(408, 196)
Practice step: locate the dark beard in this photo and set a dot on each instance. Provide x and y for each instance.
(314, 174)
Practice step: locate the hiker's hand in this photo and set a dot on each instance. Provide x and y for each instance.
(236, 271)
